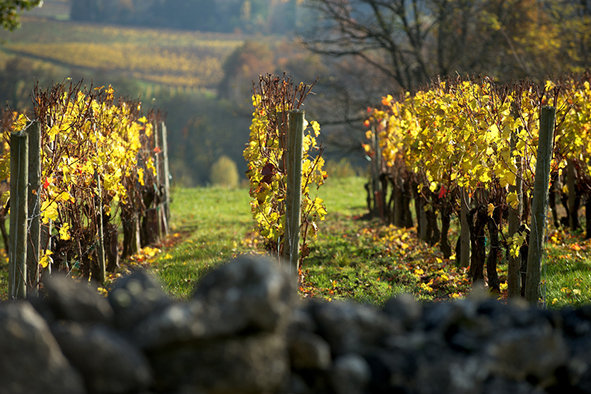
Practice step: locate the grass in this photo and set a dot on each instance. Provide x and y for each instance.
(353, 258)
(566, 273)
(214, 224)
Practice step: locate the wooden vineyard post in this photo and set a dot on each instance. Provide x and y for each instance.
(100, 243)
(166, 176)
(465, 229)
(377, 192)
(539, 205)
(34, 206)
(514, 263)
(19, 161)
(293, 204)
(155, 216)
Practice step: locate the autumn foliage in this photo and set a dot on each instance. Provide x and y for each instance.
(267, 168)
(97, 161)
(477, 137)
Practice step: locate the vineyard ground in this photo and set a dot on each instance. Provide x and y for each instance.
(353, 258)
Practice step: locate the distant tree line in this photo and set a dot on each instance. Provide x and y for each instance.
(10, 11)
(266, 16)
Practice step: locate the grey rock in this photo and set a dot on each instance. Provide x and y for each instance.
(504, 386)
(440, 370)
(301, 320)
(238, 365)
(245, 331)
(528, 354)
(309, 351)
(297, 385)
(135, 297)
(579, 363)
(441, 317)
(349, 374)
(404, 308)
(577, 322)
(248, 293)
(107, 362)
(31, 361)
(247, 296)
(68, 300)
(350, 327)
(177, 324)
(392, 370)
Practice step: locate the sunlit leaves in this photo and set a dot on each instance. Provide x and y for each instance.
(65, 232)
(267, 158)
(458, 134)
(93, 150)
(46, 258)
(48, 211)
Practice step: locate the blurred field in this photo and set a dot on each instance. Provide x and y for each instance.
(174, 58)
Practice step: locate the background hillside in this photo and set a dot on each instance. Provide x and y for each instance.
(201, 76)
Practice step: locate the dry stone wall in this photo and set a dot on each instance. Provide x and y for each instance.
(245, 330)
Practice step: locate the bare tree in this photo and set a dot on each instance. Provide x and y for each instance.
(411, 42)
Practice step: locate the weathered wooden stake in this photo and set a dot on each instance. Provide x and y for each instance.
(19, 161)
(100, 243)
(539, 205)
(34, 207)
(166, 176)
(293, 205)
(157, 200)
(514, 264)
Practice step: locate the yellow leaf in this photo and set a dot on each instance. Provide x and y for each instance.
(315, 127)
(49, 211)
(140, 176)
(150, 165)
(46, 259)
(491, 209)
(150, 252)
(65, 196)
(513, 200)
(507, 178)
(64, 232)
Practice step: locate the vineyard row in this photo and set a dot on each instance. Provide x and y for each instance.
(469, 148)
(101, 164)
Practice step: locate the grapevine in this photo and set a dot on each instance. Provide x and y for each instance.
(96, 161)
(265, 154)
(479, 137)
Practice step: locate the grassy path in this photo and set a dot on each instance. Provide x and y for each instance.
(216, 224)
(352, 258)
